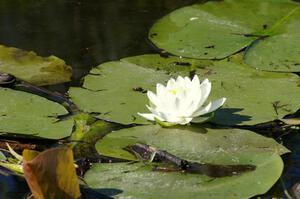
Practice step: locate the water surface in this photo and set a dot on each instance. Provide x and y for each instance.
(86, 33)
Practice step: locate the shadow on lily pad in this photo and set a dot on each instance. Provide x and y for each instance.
(105, 193)
(196, 128)
(230, 116)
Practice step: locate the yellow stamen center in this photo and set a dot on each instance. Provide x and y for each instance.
(174, 91)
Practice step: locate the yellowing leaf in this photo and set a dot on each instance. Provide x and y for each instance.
(37, 70)
(51, 175)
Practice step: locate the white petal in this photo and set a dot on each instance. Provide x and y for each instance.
(180, 100)
(195, 97)
(187, 80)
(180, 82)
(170, 83)
(202, 110)
(148, 116)
(189, 109)
(205, 87)
(179, 79)
(177, 104)
(173, 106)
(152, 110)
(205, 81)
(195, 80)
(186, 105)
(168, 104)
(157, 113)
(212, 106)
(153, 99)
(195, 94)
(160, 89)
(179, 120)
(217, 104)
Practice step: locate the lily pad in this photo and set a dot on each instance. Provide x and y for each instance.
(30, 115)
(138, 181)
(218, 29)
(37, 70)
(116, 91)
(217, 146)
(280, 52)
(172, 64)
(253, 96)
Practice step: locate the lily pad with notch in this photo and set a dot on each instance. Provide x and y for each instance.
(217, 29)
(281, 51)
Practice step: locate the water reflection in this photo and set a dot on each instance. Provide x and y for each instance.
(83, 33)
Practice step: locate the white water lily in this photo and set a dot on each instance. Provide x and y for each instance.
(180, 101)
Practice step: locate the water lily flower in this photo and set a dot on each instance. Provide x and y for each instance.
(180, 101)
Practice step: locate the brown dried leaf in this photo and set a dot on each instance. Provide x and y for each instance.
(51, 174)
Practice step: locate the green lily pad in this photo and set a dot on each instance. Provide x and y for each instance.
(25, 114)
(116, 91)
(33, 68)
(252, 96)
(174, 65)
(218, 29)
(217, 146)
(138, 181)
(280, 52)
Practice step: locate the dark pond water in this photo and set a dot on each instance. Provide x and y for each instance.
(86, 33)
(83, 33)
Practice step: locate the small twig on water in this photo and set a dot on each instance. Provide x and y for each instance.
(145, 152)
